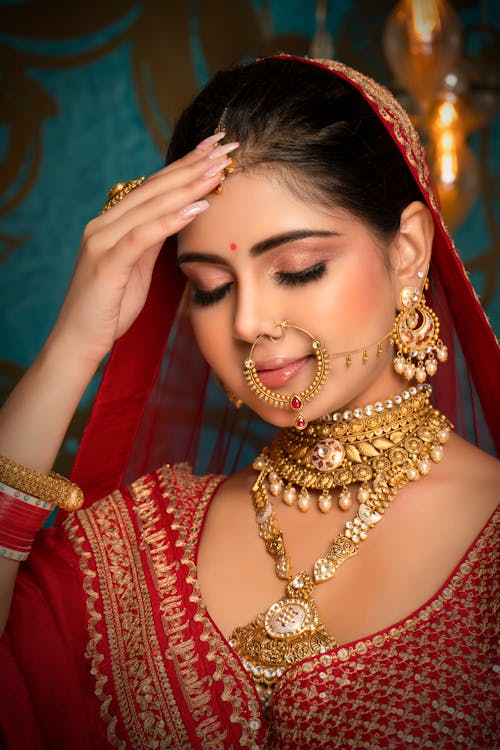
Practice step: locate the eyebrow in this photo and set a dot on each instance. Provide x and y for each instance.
(260, 247)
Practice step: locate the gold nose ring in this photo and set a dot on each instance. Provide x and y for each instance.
(294, 401)
(282, 324)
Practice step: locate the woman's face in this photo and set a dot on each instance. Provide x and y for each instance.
(260, 255)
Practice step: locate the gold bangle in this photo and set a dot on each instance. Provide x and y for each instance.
(53, 488)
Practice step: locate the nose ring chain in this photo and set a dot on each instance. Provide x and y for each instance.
(294, 401)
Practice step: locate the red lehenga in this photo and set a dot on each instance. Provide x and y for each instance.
(117, 650)
(109, 643)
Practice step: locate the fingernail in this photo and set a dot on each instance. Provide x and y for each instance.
(205, 145)
(216, 168)
(222, 150)
(194, 208)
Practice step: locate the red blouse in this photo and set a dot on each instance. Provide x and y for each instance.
(109, 645)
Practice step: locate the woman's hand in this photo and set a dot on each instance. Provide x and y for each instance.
(119, 248)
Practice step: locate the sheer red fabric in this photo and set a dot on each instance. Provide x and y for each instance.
(156, 402)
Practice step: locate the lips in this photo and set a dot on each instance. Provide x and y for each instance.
(277, 372)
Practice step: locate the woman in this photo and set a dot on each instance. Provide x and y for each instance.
(307, 229)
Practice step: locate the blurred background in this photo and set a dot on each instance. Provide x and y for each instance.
(91, 90)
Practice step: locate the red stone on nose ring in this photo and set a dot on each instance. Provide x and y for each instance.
(293, 401)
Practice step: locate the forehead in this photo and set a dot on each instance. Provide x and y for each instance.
(251, 207)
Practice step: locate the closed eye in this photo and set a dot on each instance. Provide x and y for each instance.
(202, 298)
(302, 277)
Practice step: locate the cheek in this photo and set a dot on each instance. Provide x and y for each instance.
(360, 304)
(205, 323)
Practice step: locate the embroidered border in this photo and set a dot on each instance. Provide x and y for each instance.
(92, 651)
(182, 649)
(178, 483)
(423, 614)
(141, 688)
(424, 685)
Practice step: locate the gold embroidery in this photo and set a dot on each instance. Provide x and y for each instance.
(187, 522)
(409, 670)
(145, 698)
(405, 132)
(92, 651)
(182, 649)
(433, 692)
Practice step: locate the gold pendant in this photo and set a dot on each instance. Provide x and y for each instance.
(289, 618)
(290, 631)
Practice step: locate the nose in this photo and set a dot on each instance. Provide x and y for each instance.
(255, 314)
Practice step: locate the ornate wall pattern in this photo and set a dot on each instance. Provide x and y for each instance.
(90, 92)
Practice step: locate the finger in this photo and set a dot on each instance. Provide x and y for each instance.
(207, 149)
(202, 149)
(136, 242)
(169, 195)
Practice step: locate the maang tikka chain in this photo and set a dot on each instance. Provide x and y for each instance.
(221, 127)
(295, 400)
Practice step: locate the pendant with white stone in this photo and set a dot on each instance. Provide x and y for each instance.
(304, 500)
(289, 618)
(289, 495)
(325, 502)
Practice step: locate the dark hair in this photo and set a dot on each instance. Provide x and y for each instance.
(315, 130)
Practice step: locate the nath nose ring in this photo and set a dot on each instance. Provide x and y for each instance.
(294, 401)
(282, 324)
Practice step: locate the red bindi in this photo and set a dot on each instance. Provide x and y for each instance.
(233, 245)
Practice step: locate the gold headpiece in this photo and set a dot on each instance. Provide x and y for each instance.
(221, 127)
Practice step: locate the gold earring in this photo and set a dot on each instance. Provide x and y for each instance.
(233, 398)
(416, 337)
(293, 401)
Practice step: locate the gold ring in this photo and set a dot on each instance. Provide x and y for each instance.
(119, 191)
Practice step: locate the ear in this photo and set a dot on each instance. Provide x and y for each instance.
(410, 250)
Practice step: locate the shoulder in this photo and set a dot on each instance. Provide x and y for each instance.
(169, 496)
(472, 474)
(453, 505)
(159, 515)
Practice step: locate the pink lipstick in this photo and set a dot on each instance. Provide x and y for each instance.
(277, 372)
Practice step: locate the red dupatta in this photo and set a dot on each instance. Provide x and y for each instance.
(150, 405)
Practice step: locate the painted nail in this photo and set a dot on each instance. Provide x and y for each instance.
(193, 208)
(205, 145)
(216, 168)
(223, 150)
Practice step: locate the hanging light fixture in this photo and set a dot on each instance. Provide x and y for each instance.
(422, 43)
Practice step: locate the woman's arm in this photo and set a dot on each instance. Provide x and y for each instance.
(107, 292)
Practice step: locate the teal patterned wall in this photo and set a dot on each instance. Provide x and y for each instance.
(90, 92)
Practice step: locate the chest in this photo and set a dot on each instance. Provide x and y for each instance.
(401, 565)
(165, 674)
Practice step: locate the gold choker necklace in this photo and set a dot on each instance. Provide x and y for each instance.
(345, 448)
(388, 449)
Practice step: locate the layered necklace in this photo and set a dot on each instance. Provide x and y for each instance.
(381, 448)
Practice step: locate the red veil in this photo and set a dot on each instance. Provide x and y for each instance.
(157, 404)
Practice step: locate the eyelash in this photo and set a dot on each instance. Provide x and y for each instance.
(204, 299)
(302, 277)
